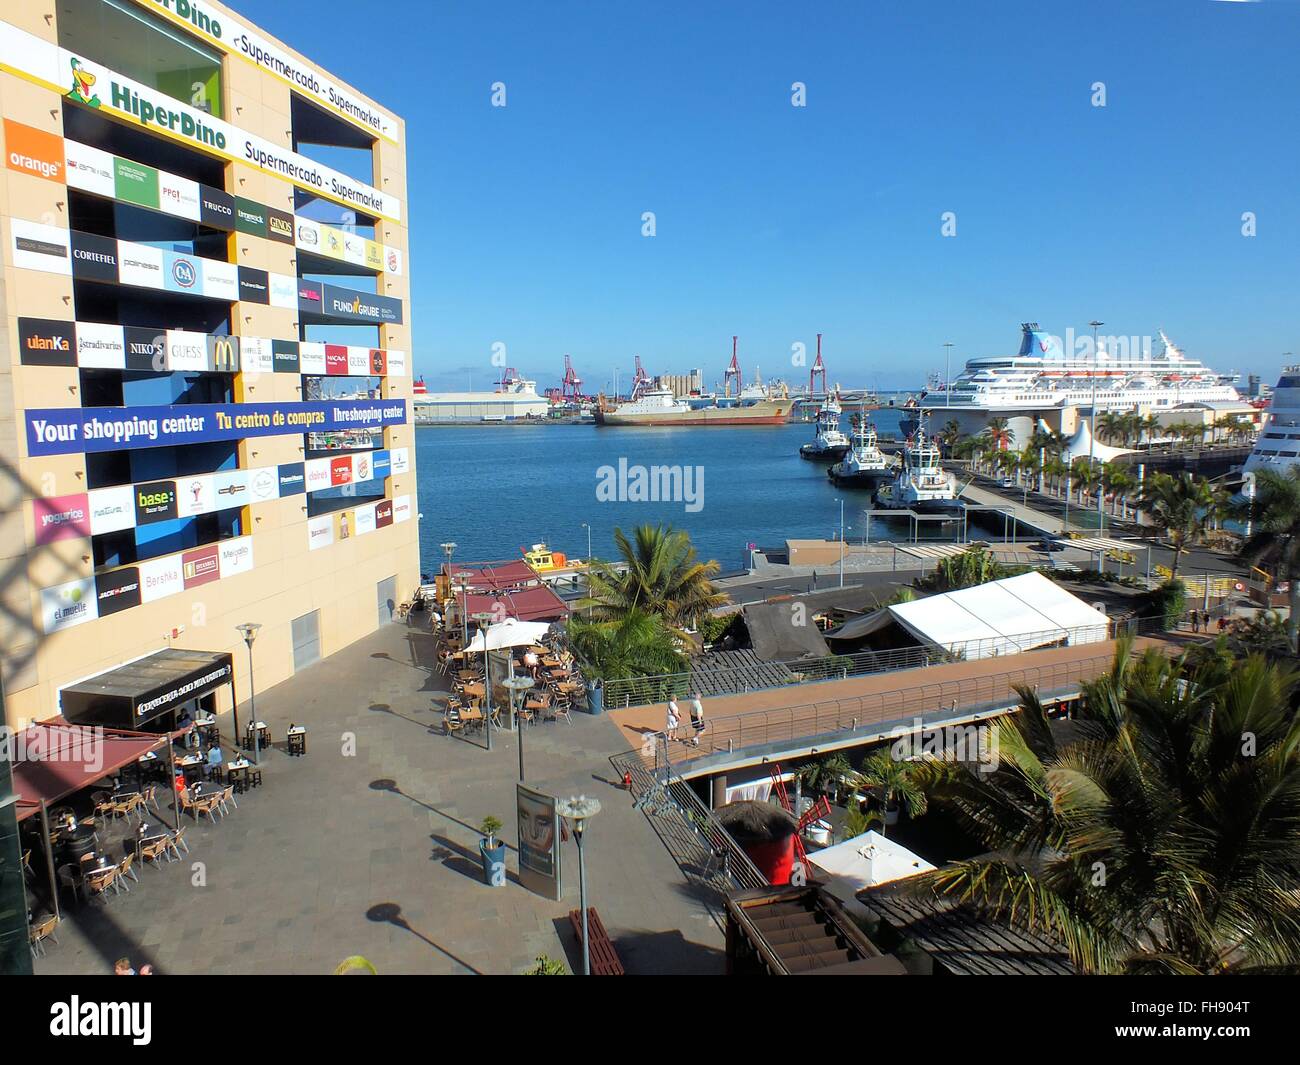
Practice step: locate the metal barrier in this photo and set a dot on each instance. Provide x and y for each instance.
(862, 713)
(764, 676)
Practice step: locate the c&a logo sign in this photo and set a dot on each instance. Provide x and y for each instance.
(184, 273)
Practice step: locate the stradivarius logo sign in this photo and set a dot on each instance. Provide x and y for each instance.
(83, 82)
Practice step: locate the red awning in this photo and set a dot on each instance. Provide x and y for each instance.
(52, 759)
(494, 576)
(526, 604)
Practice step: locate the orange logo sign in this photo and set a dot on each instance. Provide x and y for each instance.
(33, 151)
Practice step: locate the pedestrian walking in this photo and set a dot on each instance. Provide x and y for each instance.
(674, 719)
(697, 719)
(1196, 621)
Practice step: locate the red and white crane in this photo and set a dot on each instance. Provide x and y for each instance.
(818, 368)
(571, 386)
(732, 371)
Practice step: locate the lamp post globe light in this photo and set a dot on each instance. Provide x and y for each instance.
(577, 810)
(483, 619)
(249, 631)
(517, 686)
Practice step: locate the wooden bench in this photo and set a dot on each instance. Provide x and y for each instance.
(604, 958)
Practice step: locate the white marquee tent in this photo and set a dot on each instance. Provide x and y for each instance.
(1001, 617)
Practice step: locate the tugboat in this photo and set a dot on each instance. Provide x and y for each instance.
(865, 466)
(829, 443)
(922, 484)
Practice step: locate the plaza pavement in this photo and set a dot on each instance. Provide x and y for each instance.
(368, 845)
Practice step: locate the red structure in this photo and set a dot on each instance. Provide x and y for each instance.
(818, 368)
(571, 386)
(508, 377)
(732, 371)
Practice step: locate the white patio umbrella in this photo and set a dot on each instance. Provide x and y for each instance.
(509, 633)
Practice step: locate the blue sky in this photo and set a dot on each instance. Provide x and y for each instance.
(777, 222)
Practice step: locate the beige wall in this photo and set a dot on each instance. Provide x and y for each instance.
(287, 580)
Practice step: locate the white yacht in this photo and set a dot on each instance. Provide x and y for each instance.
(829, 442)
(922, 483)
(1278, 445)
(865, 466)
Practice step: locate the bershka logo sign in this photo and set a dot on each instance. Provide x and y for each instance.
(118, 589)
(44, 342)
(155, 502)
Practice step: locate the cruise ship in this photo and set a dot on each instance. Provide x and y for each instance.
(1042, 377)
(1278, 445)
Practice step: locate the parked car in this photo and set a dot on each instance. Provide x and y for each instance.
(1049, 546)
(1007, 482)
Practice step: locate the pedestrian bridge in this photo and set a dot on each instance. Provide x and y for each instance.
(794, 722)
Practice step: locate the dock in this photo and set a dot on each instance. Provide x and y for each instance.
(1027, 516)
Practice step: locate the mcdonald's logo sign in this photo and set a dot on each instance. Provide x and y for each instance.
(223, 354)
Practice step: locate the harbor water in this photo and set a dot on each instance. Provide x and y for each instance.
(494, 489)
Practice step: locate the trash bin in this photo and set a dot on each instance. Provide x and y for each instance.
(595, 698)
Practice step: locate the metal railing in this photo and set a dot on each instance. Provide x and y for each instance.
(864, 713)
(765, 676)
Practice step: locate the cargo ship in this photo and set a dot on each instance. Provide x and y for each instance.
(752, 405)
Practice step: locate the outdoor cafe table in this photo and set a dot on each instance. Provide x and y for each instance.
(238, 769)
(191, 763)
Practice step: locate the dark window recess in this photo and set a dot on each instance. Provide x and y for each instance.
(127, 546)
(124, 221)
(85, 126)
(104, 469)
(149, 308)
(124, 388)
(328, 500)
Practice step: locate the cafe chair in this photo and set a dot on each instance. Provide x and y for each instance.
(126, 868)
(176, 843)
(451, 720)
(40, 932)
(156, 851)
(99, 881)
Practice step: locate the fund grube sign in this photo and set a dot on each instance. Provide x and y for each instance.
(83, 430)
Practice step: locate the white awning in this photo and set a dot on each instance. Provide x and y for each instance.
(1002, 617)
(865, 861)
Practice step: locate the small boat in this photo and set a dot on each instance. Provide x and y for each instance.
(922, 484)
(829, 442)
(553, 567)
(865, 466)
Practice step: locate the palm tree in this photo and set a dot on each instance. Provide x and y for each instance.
(1120, 482)
(1146, 840)
(975, 565)
(1275, 539)
(896, 783)
(1181, 509)
(998, 432)
(1110, 425)
(639, 644)
(661, 576)
(1150, 425)
(1083, 478)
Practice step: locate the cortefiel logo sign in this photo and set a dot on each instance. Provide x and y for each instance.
(94, 257)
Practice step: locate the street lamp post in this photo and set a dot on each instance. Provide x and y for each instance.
(249, 631)
(517, 686)
(947, 373)
(484, 618)
(577, 810)
(841, 543)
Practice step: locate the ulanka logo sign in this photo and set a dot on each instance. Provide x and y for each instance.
(83, 83)
(184, 273)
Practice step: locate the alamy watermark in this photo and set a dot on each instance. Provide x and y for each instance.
(627, 483)
(54, 743)
(974, 745)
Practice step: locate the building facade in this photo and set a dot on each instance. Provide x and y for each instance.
(204, 333)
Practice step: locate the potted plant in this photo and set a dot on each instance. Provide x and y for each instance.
(493, 853)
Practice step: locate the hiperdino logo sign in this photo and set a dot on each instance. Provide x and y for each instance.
(157, 113)
(194, 15)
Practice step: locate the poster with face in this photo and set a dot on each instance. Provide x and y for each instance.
(539, 842)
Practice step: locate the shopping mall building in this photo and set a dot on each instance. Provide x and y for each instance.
(205, 376)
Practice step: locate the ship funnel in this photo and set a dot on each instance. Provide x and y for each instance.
(1035, 341)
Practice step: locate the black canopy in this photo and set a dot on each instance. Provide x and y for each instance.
(134, 694)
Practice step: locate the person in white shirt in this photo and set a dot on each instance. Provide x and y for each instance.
(697, 719)
(674, 719)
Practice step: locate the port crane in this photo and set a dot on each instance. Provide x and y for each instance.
(732, 371)
(818, 369)
(571, 386)
(642, 379)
